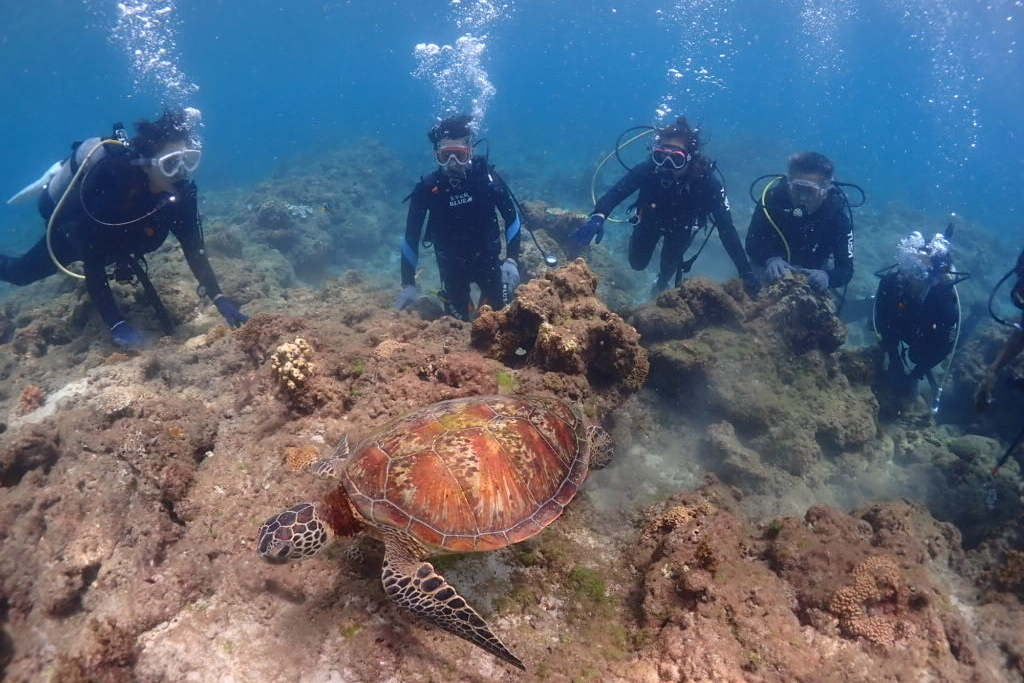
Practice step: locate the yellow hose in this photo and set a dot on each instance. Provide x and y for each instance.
(764, 207)
(60, 205)
(597, 171)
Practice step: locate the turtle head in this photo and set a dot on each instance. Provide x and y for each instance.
(295, 534)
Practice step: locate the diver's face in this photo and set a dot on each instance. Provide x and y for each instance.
(808, 190)
(171, 165)
(671, 155)
(454, 155)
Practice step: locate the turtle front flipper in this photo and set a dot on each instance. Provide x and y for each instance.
(416, 586)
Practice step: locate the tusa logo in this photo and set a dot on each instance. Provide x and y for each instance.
(460, 199)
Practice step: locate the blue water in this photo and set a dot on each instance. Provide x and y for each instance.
(919, 101)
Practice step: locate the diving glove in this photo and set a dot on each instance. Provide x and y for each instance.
(582, 236)
(230, 311)
(126, 336)
(776, 268)
(509, 275)
(817, 279)
(406, 297)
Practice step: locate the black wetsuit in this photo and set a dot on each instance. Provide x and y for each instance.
(927, 326)
(676, 210)
(812, 239)
(462, 225)
(114, 191)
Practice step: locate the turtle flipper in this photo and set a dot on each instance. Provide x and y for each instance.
(417, 587)
(331, 466)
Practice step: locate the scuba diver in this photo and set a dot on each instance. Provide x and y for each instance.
(110, 203)
(676, 196)
(917, 311)
(801, 220)
(1014, 343)
(462, 198)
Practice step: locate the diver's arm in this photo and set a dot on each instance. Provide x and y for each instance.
(513, 221)
(1013, 346)
(885, 305)
(842, 254)
(190, 237)
(626, 186)
(722, 216)
(99, 289)
(413, 230)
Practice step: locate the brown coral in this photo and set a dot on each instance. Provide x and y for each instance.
(1010, 575)
(869, 607)
(32, 397)
(558, 324)
(299, 458)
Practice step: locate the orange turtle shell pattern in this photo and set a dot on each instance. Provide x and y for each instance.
(471, 474)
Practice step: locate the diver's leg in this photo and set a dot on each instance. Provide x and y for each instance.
(488, 278)
(672, 250)
(641, 244)
(33, 266)
(455, 282)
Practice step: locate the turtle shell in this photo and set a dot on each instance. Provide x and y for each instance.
(471, 474)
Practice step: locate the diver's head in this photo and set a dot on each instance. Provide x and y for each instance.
(675, 147)
(808, 181)
(168, 150)
(923, 262)
(453, 144)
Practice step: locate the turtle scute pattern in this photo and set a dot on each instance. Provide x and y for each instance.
(471, 474)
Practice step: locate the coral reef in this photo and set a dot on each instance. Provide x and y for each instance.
(131, 496)
(767, 367)
(557, 324)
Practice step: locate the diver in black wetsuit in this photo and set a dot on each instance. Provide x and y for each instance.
(917, 312)
(129, 196)
(677, 195)
(460, 201)
(801, 222)
(1014, 343)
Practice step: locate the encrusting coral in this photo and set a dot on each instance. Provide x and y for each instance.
(877, 584)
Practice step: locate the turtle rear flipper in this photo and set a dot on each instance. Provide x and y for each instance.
(331, 467)
(417, 587)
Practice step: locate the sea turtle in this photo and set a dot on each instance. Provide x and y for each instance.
(463, 475)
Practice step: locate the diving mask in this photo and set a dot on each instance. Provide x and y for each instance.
(172, 163)
(453, 156)
(807, 191)
(675, 157)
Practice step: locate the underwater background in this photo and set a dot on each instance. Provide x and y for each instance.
(771, 513)
(917, 101)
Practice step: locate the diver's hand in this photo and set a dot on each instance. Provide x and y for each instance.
(776, 268)
(751, 285)
(817, 279)
(582, 236)
(230, 311)
(406, 297)
(510, 275)
(983, 396)
(126, 337)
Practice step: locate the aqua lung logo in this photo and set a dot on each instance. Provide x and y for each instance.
(460, 199)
